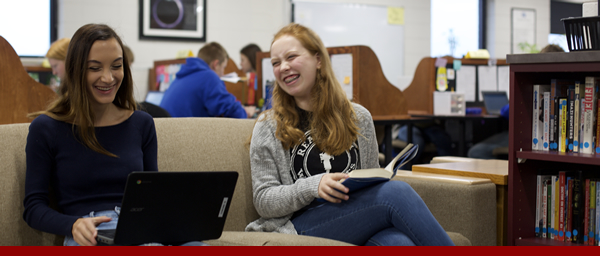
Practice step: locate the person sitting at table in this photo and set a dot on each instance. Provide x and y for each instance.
(198, 91)
(422, 134)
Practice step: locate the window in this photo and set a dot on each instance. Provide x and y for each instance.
(455, 27)
(29, 26)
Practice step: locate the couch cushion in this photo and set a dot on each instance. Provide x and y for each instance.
(199, 145)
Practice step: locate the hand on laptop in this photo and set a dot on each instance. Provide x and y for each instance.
(84, 230)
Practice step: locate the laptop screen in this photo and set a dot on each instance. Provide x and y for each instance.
(494, 101)
(154, 97)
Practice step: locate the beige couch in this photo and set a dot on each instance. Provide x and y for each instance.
(465, 207)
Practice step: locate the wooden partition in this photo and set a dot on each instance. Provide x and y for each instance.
(19, 93)
(419, 94)
(370, 88)
(239, 89)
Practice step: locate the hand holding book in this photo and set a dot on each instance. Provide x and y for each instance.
(361, 178)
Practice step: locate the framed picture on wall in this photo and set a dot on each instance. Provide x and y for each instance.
(173, 20)
(523, 31)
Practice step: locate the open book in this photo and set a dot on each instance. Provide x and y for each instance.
(365, 177)
(361, 178)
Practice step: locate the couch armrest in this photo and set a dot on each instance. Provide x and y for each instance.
(463, 205)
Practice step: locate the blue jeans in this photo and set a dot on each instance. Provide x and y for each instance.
(114, 214)
(390, 214)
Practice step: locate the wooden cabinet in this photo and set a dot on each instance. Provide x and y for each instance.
(525, 71)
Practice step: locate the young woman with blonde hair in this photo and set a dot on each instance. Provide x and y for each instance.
(311, 138)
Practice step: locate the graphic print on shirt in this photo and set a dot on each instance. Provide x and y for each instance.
(307, 160)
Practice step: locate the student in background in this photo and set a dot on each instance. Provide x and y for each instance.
(56, 57)
(248, 58)
(485, 148)
(311, 122)
(423, 133)
(197, 90)
(87, 142)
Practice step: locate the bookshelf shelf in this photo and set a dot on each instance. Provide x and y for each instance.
(574, 158)
(525, 71)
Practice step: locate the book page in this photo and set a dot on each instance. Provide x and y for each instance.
(368, 173)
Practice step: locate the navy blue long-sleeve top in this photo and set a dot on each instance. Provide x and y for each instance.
(83, 180)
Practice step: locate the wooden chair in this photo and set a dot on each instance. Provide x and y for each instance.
(19, 93)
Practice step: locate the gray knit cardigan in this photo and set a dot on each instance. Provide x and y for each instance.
(275, 195)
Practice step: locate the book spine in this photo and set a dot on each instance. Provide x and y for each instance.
(553, 197)
(576, 116)
(549, 209)
(597, 140)
(555, 125)
(546, 126)
(570, 119)
(588, 116)
(538, 206)
(592, 213)
(578, 208)
(597, 229)
(586, 212)
(561, 206)
(562, 137)
(535, 118)
(544, 208)
(569, 205)
(556, 206)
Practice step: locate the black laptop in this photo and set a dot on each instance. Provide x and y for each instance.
(494, 101)
(172, 208)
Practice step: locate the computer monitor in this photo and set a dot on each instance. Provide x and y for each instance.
(494, 101)
(154, 97)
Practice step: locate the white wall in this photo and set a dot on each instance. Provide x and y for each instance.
(235, 23)
(499, 24)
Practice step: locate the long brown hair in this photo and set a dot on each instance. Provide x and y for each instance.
(73, 102)
(333, 120)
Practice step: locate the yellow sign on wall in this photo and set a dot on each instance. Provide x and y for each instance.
(395, 15)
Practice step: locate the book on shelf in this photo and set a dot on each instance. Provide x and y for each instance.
(570, 118)
(597, 228)
(586, 211)
(546, 122)
(597, 139)
(562, 128)
(361, 178)
(537, 123)
(557, 89)
(592, 214)
(569, 210)
(541, 201)
(579, 91)
(555, 207)
(589, 115)
(561, 206)
(552, 207)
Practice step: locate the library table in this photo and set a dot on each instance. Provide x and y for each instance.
(462, 148)
(495, 170)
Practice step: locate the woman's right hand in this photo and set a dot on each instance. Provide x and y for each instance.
(331, 189)
(84, 230)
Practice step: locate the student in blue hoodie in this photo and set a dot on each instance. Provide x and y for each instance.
(197, 90)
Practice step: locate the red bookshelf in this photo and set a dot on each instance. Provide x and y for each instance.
(525, 71)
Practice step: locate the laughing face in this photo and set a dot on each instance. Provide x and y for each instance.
(295, 68)
(104, 71)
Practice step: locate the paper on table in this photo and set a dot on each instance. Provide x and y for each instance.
(342, 68)
(487, 79)
(465, 82)
(231, 77)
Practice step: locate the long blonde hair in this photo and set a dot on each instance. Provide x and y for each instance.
(332, 120)
(73, 102)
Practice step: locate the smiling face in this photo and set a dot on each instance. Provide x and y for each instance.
(295, 69)
(104, 71)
